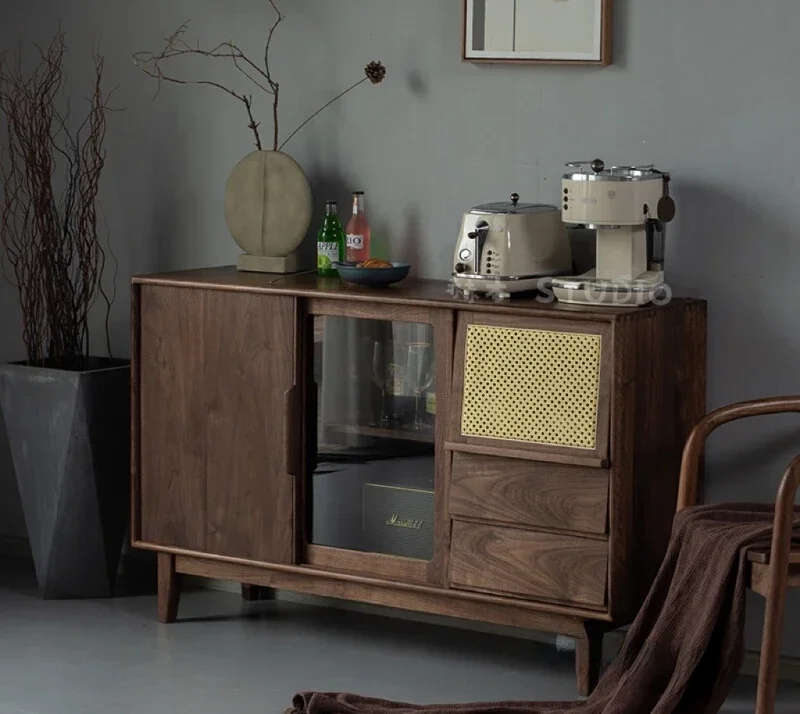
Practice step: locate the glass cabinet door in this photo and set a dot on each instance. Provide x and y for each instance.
(372, 489)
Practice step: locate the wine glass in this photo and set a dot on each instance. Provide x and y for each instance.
(383, 376)
(357, 369)
(420, 371)
(388, 372)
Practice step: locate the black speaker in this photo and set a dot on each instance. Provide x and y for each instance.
(383, 506)
(398, 520)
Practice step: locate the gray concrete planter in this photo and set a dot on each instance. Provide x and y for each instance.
(69, 433)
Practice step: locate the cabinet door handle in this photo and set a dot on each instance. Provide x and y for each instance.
(292, 446)
(312, 450)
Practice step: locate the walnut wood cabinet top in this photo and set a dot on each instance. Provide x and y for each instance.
(413, 291)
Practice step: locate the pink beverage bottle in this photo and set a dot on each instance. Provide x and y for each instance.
(358, 231)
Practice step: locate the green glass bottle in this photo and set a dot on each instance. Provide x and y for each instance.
(330, 241)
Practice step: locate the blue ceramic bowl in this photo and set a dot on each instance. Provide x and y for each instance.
(373, 277)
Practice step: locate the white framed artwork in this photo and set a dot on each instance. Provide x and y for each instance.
(546, 31)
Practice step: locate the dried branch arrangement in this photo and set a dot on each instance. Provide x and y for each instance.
(258, 75)
(48, 211)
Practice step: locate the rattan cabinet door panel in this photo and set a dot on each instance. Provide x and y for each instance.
(533, 385)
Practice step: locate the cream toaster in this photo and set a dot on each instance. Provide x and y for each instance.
(510, 247)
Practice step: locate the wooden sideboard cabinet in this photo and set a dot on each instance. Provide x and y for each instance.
(513, 463)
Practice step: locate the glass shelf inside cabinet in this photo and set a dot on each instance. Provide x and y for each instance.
(372, 488)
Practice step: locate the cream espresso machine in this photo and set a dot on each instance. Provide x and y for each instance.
(509, 247)
(628, 207)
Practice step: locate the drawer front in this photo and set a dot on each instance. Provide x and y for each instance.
(527, 564)
(534, 385)
(531, 493)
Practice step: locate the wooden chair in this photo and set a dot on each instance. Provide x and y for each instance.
(772, 570)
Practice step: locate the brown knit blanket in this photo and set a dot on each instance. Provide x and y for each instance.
(681, 654)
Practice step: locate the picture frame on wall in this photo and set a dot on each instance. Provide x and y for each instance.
(538, 31)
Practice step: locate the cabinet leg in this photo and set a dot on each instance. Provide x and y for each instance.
(169, 588)
(588, 659)
(252, 593)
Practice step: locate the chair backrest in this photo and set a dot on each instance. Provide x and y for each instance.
(691, 465)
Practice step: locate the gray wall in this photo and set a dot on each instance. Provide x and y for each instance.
(708, 90)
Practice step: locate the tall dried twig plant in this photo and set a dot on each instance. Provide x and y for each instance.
(51, 168)
(257, 74)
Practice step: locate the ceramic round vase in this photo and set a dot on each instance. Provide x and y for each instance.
(268, 209)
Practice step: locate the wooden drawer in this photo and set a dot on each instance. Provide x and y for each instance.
(531, 493)
(527, 564)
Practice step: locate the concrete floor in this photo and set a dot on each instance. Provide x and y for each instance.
(112, 657)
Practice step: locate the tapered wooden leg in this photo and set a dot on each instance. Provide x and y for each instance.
(256, 592)
(169, 588)
(588, 658)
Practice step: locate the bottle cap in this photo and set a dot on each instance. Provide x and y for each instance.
(358, 193)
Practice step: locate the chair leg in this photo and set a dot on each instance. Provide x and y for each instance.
(770, 651)
(776, 590)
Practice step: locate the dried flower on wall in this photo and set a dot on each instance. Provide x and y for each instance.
(257, 74)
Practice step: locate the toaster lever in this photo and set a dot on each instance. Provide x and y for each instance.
(479, 236)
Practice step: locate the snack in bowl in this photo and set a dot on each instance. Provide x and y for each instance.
(375, 263)
(373, 273)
